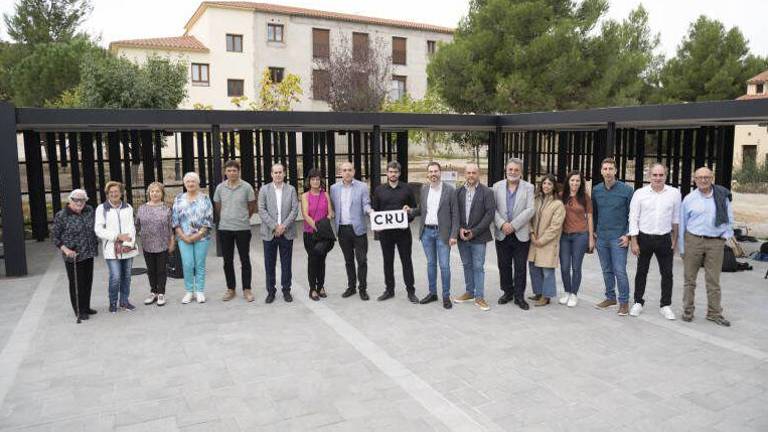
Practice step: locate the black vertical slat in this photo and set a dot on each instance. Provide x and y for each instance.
(357, 149)
(674, 172)
(701, 147)
(266, 151)
(246, 156)
(35, 184)
(307, 152)
(74, 160)
(100, 166)
(209, 157)
(258, 161)
(135, 147)
(147, 157)
(113, 153)
(225, 146)
(330, 148)
(201, 169)
(89, 167)
(127, 168)
(63, 149)
(216, 160)
(11, 206)
(639, 138)
(375, 168)
(187, 152)
(283, 148)
(562, 156)
(711, 140)
(53, 171)
(158, 144)
(725, 166)
(321, 142)
(402, 153)
(685, 179)
(293, 160)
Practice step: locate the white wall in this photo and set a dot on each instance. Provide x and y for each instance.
(750, 135)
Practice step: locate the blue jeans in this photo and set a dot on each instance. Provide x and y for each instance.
(573, 246)
(284, 247)
(193, 261)
(613, 261)
(119, 280)
(473, 259)
(543, 280)
(437, 252)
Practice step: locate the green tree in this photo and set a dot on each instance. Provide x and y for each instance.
(115, 82)
(43, 71)
(529, 55)
(273, 96)
(44, 21)
(712, 63)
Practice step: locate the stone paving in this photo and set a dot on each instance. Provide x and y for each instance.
(348, 365)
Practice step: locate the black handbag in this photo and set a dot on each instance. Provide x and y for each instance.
(173, 267)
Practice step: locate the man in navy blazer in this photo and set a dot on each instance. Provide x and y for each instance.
(352, 203)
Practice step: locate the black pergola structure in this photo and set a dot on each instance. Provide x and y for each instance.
(68, 149)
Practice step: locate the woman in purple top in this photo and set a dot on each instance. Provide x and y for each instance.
(153, 223)
(315, 206)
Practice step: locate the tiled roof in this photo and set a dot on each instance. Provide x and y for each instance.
(182, 43)
(313, 13)
(750, 97)
(759, 78)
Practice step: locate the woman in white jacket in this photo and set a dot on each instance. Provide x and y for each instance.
(115, 227)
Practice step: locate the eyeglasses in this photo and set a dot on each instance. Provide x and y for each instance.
(78, 200)
(703, 178)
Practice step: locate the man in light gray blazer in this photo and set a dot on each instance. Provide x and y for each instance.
(278, 208)
(438, 231)
(514, 210)
(351, 204)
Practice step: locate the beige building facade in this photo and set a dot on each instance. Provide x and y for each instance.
(228, 45)
(751, 141)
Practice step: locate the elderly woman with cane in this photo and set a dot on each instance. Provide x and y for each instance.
(73, 235)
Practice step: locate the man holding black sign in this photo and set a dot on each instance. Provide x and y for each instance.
(395, 195)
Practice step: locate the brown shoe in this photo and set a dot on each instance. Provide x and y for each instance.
(605, 304)
(482, 304)
(229, 295)
(542, 301)
(248, 295)
(624, 309)
(466, 297)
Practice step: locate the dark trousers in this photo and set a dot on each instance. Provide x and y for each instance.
(284, 247)
(243, 241)
(156, 262)
(512, 252)
(354, 248)
(84, 284)
(315, 263)
(403, 240)
(661, 246)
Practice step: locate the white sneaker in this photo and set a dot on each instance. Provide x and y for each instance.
(161, 299)
(187, 298)
(564, 298)
(573, 300)
(151, 299)
(636, 310)
(200, 297)
(667, 313)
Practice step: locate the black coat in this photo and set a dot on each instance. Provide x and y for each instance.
(75, 231)
(326, 239)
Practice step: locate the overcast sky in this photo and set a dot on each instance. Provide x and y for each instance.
(670, 18)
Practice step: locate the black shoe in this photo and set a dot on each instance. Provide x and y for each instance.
(447, 303)
(287, 296)
(522, 304)
(84, 317)
(506, 298)
(429, 299)
(321, 292)
(535, 297)
(364, 295)
(386, 296)
(314, 295)
(412, 297)
(720, 321)
(270, 298)
(92, 311)
(349, 292)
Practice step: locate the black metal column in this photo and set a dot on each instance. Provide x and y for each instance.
(402, 154)
(246, 156)
(89, 167)
(375, 168)
(14, 248)
(216, 179)
(35, 185)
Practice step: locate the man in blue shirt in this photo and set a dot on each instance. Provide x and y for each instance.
(610, 205)
(706, 221)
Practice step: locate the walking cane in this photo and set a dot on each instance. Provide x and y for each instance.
(77, 291)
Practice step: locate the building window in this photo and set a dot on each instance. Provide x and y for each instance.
(359, 46)
(760, 88)
(275, 32)
(431, 47)
(398, 50)
(398, 88)
(276, 74)
(200, 75)
(748, 155)
(321, 84)
(234, 43)
(235, 87)
(321, 43)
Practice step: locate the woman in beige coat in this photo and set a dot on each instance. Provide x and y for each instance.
(546, 228)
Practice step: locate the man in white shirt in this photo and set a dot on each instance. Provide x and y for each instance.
(654, 219)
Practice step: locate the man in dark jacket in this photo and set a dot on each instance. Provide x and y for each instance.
(476, 207)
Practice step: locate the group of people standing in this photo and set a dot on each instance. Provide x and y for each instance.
(536, 229)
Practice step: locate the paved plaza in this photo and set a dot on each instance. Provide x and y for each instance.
(349, 365)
